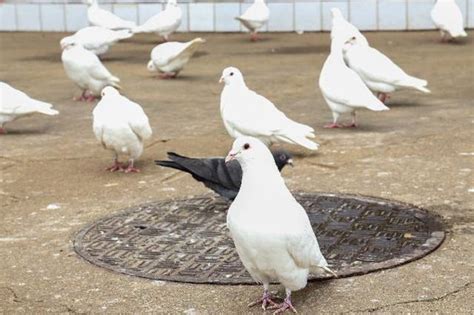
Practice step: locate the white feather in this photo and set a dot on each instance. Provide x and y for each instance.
(96, 39)
(120, 125)
(379, 72)
(271, 230)
(164, 23)
(15, 104)
(246, 113)
(85, 69)
(342, 88)
(171, 57)
(104, 18)
(256, 16)
(447, 16)
(342, 28)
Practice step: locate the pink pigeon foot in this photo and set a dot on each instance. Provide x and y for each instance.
(265, 301)
(383, 97)
(283, 307)
(351, 125)
(131, 169)
(253, 37)
(332, 125)
(168, 75)
(82, 98)
(3, 131)
(117, 167)
(91, 98)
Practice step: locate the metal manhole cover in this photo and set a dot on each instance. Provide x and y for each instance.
(187, 240)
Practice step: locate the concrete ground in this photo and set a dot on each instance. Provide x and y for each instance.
(419, 152)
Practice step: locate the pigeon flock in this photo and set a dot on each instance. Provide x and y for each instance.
(271, 231)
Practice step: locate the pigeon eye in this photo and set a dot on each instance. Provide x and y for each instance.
(246, 146)
(231, 74)
(282, 157)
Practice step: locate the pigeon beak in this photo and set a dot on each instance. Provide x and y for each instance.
(221, 79)
(290, 162)
(231, 156)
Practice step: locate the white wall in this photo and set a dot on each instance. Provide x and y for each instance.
(286, 15)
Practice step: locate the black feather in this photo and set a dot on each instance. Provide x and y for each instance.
(214, 173)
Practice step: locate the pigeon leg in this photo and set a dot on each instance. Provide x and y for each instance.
(116, 166)
(254, 37)
(382, 97)
(91, 98)
(130, 168)
(286, 305)
(168, 75)
(83, 97)
(265, 300)
(3, 131)
(334, 123)
(354, 121)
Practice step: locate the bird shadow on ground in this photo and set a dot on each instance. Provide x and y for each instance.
(26, 131)
(323, 287)
(304, 155)
(144, 41)
(53, 58)
(261, 39)
(396, 104)
(299, 50)
(199, 54)
(135, 59)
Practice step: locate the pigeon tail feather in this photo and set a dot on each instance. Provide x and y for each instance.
(170, 164)
(45, 108)
(328, 270)
(124, 34)
(416, 83)
(377, 106)
(300, 140)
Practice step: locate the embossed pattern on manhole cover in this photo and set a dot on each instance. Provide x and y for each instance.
(187, 240)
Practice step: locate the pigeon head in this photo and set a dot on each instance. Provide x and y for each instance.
(336, 13)
(349, 42)
(250, 150)
(151, 66)
(342, 43)
(231, 75)
(66, 41)
(108, 90)
(172, 3)
(282, 158)
(91, 2)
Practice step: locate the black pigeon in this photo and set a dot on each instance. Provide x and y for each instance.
(214, 173)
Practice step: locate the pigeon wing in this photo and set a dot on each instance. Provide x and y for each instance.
(257, 116)
(138, 120)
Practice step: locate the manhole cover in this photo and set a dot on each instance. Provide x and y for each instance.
(187, 240)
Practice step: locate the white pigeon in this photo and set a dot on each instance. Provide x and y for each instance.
(164, 23)
(15, 104)
(342, 28)
(447, 16)
(343, 89)
(270, 229)
(104, 18)
(121, 126)
(246, 113)
(255, 17)
(84, 68)
(96, 39)
(171, 57)
(379, 73)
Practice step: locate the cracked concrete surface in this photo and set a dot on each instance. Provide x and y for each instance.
(419, 152)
